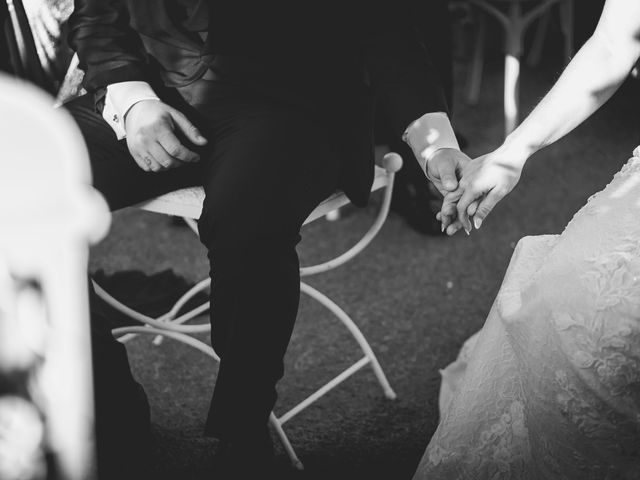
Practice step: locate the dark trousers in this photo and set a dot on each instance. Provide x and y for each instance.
(267, 165)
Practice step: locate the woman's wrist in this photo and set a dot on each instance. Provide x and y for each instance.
(515, 151)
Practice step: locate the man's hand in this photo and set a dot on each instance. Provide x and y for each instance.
(485, 181)
(445, 167)
(151, 127)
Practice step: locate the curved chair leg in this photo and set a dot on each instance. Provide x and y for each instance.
(566, 22)
(511, 87)
(474, 79)
(513, 51)
(535, 54)
(355, 332)
(286, 444)
(202, 347)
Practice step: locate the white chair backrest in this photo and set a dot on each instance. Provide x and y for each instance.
(44, 162)
(49, 213)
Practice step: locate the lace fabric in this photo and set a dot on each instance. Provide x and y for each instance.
(550, 387)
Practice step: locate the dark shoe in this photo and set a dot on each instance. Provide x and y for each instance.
(418, 204)
(123, 435)
(122, 414)
(246, 458)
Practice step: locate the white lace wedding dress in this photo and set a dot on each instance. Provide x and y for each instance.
(550, 387)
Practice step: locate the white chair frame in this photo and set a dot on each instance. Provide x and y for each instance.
(515, 23)
(187, 203)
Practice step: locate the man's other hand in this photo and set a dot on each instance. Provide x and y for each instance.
(151, 128)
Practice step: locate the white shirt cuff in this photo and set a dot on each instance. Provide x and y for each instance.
(430, 133)
(120, 98)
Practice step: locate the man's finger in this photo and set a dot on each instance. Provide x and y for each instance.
(150, 164)
(161, 157)
(446, 220)
(447, 173)
(151, 153)
(188, 128)
(141, 162)
(449, 202)
(454, 227)
(175, 149)
(140, 154)
(448, 209)
(487, 204)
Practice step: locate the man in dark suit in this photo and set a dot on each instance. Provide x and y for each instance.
(269, 106)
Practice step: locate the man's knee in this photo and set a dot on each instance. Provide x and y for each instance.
(241, 239)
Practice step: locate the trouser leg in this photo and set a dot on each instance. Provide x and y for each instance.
(270, 167)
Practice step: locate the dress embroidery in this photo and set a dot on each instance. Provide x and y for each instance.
(550, 388)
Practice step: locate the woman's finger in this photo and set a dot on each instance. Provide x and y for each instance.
(468, 197)
(487, 205)
(471, 209)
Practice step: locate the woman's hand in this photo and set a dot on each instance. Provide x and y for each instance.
(484, 182)
(593, 75)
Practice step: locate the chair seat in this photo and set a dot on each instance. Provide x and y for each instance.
(187, 202)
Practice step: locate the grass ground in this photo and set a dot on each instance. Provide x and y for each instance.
(416, 297)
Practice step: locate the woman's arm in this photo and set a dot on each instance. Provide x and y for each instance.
(593, 75)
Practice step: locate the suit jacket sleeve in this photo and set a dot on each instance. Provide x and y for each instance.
(406, 83)
(109, 50)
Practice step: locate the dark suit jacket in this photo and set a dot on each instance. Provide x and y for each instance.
(338, 58)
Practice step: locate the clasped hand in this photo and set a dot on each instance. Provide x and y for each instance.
(483, 182)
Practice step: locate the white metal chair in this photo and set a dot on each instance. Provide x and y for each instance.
(187, 203)
(48, 215)
(515, 19)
